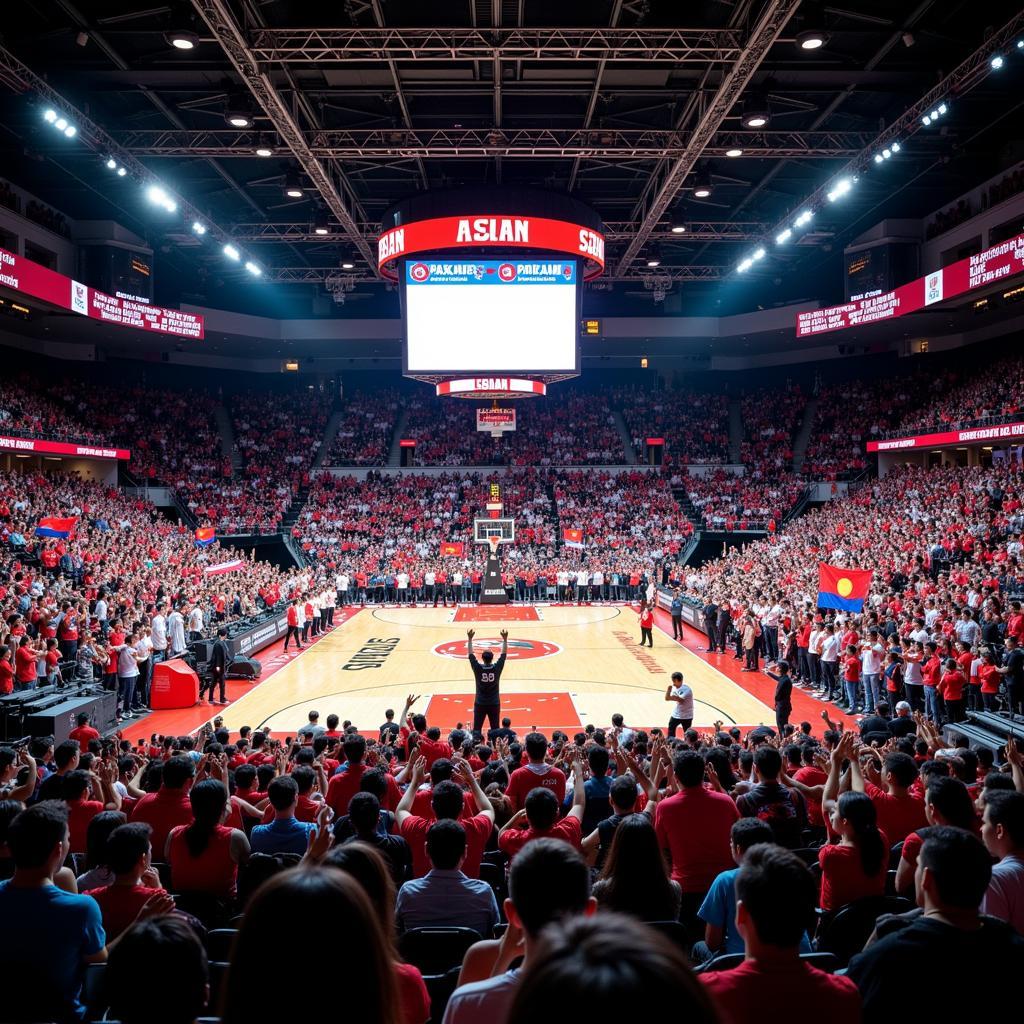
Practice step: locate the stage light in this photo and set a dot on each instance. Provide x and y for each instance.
(264, 151)
(1020, 44)
(183, 40)
(348, 266)
(895, 147)
(320, 225)
(156, 195)
(942, 108)
(651, 264)
(997, 62)
(840, 189)
(71, 131)
(253, 268)
(292, 187)
(926, 120)
(237, 116)
(783, 236)
(231, 252)
(886, 153)
(60, 124)
(812, 39)
(755, 113)
(759, 253)
(111, 164)
(734, 152)
(50, 116)
(803, 219)
(702, 185)
(198, 227)
(878, 158)
(121, 172)
(745, 265)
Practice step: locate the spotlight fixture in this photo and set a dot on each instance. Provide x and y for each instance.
(783, 236)
(702, 185)
(755, 113)
(348, 266)
(678, 229)
(895, 147)
(878, 158)
(320, 225)
(734, 152)
(840, 189)
(232, 253)
(70, 131)
(253, 268)
(804, 218)
(652, 263)
(292, 186)
(121, 172)
(997, 62)
(111, 164)
(745, 265)
(198, 227)
(183, 40)
(759, 253)
(60, 124)
(264, 150)
(50, 116)
(886, 153)
(926, 120)
(237, 119)
(158, 197)
(811, 39)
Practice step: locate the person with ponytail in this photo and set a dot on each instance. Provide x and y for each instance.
(205, 856)
(947, 801)
(856, 866)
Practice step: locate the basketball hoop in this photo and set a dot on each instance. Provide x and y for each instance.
(494, 540)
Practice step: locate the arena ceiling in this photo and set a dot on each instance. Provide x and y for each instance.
(628, 104)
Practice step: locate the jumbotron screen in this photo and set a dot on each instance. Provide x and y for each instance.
(481, 316)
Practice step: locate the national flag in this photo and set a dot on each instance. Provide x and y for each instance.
(452, 547)
(572, 538)
(845, 589)
(56, 526)
(221, 567)
(205, 535)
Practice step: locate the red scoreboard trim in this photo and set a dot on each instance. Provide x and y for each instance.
(34, 446)
(654, 442)
(39, 282)
(1002, 432)
(496, 230)
(406, 442)
(988, 267)
(497, 386)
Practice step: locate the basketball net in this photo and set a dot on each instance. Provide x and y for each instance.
(494, 541)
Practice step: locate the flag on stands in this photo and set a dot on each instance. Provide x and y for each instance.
(221, 567)
(844, 589)
(205, 535)
(452, 547)
(56, 526)
(572, 538)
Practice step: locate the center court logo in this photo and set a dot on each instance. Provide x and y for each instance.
(518, 650)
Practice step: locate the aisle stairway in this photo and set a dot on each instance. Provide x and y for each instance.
(395, 451)
(227, 439)
(330, 432)
(735, 430)
(627, 440)
(803, 434)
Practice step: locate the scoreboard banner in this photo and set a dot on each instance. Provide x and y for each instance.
(987, 267)
(47, 285)
(441, 233)
(488, 272)
(497, 421)
(943, 439)
(36, 446)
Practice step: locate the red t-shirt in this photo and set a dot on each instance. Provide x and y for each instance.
(213, 871)
(842, 876)
(898, 816)
(569, 830)
(989, 676)
(740, 995)
(6, 677)
(478, 830)
(163, 810)
(345, 785)
(694, 827)
(851, 669)
(951, 685)
(423, 807)
(433, 750)
(83, 734)
(120, 905)
(413, 996)
(809, 775)
(524, 779)
(80, 813)
(25, 665)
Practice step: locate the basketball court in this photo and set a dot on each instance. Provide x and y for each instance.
(567, 666)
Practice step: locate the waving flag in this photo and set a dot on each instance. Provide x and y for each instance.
(572, 538)
(221, 567)
(845, 589)
(452, 547)
(205, 535)
(55, 526)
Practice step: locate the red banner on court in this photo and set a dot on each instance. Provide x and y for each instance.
(39, 282)
(990, 266)
(945, 438)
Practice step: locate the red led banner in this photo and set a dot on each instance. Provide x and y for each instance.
(490, 387)
(33, 446)
(1002, 432)
(38, 282)
(497, 230)
(987, 267)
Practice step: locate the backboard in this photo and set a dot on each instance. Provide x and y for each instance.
(505, 529)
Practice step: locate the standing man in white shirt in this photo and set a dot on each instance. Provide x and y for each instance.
(341, 582)
(329, 599)
(158, 634)
(871, 654)
(680, 696)
(830, 660)
(428, 583)
(582, 586)
(176, 634)
(195, 623)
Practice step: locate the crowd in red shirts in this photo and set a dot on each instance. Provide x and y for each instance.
(26, 412)
(694, 424)
(366, 425)
(743, 501)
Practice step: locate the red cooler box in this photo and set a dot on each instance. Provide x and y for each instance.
(174, 685)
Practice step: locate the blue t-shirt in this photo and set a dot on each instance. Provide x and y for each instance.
(283, 835)
(47, 935)
(719, 908)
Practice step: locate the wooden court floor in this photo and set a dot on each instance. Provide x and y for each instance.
(567, 667)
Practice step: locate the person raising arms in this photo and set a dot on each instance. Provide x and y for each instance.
(487, 676)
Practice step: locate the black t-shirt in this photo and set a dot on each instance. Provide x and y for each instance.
(487, 679)
(606, 830)
(1014, 661)
(783, 809)
(902, 726)
(493, 735)
(874, 723)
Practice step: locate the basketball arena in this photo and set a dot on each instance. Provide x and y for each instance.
(539, 488)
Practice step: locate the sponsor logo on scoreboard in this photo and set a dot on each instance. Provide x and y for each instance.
(518, 650)
(933, 288)
(507, 272)
(419, 271)
(490, 272)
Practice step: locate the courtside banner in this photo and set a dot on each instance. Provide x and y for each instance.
(37, 447)
(1002, 432)
(39, 282)
(988, 267)
(489, 229)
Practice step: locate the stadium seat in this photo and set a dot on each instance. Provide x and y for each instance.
(218, 974)
(895, 855)
(219, 942)
(725, 962)
(441, 987)
(164, 871)
(823, 961)
(845, 932)
(94, 994)
(436, 950)
(674, 932)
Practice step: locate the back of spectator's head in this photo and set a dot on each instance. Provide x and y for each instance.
(364, 812)
(245, 775)
(282, 792)
(900, 769)
(367, 865)
(419, 723)
(446, 844)
(75, 785)
(447, 800)
(623, 794)
(355, 749)
(953, 869)
(441, 770)
(949, 803)
(304, 777)
(776, 896)
(541, 808)
(38, 834)
(548, 880)
(127, 845)
(688, 766)
(748, 832)
(175, 994)
(65, 753)
(598, 758)
(536, 746)
(178, 771)
(612, 962)
(1003, 828)
(768, 762)
(99, 828)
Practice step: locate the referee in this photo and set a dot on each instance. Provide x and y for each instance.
(487, 673)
